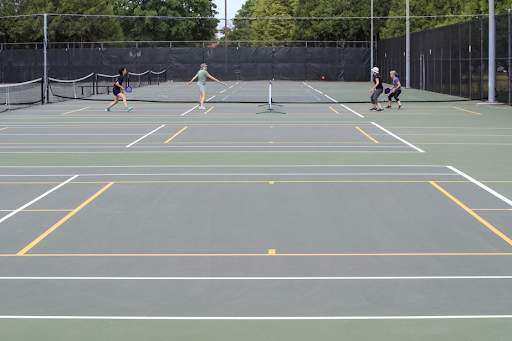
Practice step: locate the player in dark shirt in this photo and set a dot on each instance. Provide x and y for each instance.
(376, 90)
(118, 90)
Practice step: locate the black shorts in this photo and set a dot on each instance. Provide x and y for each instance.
(394, 95)
(116, 91)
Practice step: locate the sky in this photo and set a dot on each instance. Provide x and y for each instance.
(233, 7)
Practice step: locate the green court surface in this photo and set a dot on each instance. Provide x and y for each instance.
(327, 222)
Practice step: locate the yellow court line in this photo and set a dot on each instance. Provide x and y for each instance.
(62, 221)
(476, 113)
(368, 136)
(3, 128)
(334, 110)
(175, 135)
(207, 111)
(480, 219)
(69, 112)
(271, 253)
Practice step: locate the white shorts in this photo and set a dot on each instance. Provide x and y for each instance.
(202, 87)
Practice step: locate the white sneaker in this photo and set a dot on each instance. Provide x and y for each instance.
(201, 108)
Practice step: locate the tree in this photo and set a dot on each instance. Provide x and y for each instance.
(273, 29)
(200, 26)
(60, 28)
(242, 28)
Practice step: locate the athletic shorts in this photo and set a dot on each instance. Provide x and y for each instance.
(116, 91)
(202, 87)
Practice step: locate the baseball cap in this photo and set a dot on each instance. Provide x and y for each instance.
(375, 69)
(204, 65)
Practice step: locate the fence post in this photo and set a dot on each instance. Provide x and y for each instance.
(509, 57)
(45, 61)
(492, 53)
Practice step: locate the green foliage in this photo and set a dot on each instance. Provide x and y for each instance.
(65, 29)
(273, 29)
(350, 29)
(81, 29)
(242, 28)
(171, 29)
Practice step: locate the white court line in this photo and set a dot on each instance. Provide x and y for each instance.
(225, 166)
(36, 199)
(426, 317)
(186, 112)
(238, 174)
(398, 138)
(496, 194)
(131, 144)
(70, 134)
(218, 151)
(332, 99)
(358, 114)
(371, 278)
(313, 88)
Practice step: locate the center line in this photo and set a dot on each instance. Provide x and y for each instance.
(62, 221)
(69, 112)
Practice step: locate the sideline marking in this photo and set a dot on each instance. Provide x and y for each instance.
(36, 199)
(175, 135)
(131, 144)
(358, 114)
(425, 317)
(368, 136)
(62, 221)
(253, 254)
(468, 111)
(186, 112)
(207, 111)
(476, 216)
(277, 278)
(3, 128)
(69, 112)
(479, 184)
(398, 138)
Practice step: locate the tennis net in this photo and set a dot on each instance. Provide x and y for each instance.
(61, 89)
(21, 95)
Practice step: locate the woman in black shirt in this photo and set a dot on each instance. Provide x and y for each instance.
(376, 90)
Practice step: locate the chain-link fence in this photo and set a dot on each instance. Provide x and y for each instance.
(453, 59)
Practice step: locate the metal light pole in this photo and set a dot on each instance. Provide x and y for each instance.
(225, 23)
(492, 53)
(407, 47)
(371, 47)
